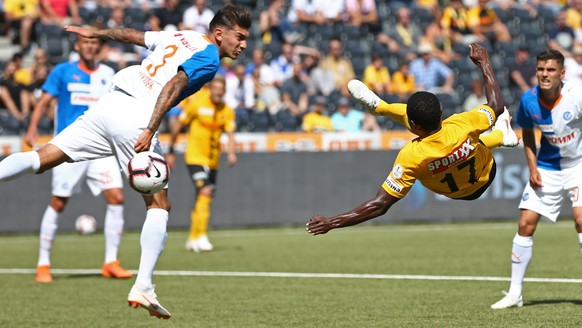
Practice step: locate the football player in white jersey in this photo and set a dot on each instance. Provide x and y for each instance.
(125, 121)
(77, 86)
(555, 108)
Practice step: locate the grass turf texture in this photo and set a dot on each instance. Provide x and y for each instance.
(480, 250)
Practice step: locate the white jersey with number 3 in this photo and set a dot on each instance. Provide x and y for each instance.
(188, 51)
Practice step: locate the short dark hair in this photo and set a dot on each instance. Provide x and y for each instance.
(231, 16)
(424, 109)
(551, 54)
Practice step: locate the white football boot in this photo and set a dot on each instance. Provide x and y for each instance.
(508, 301)
(147, 299)
(204, 244)
(362, 94)
(503, 124)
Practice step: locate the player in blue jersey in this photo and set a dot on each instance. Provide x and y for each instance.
(554, 107)
(77, 86)
(125, 121)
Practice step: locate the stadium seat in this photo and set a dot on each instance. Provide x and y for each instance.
(285, 121)
(51, 38)
(258, 121)
(8, 124)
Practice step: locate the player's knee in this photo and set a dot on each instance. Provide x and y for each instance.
(206, 191)
(115, 196)
(58, 203)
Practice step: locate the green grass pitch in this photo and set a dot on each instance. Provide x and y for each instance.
(430, 275)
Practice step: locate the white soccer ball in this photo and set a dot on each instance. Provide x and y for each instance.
(148, 172)
(86, 224)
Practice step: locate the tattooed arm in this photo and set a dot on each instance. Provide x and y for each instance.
(125, 35)
(166, 99)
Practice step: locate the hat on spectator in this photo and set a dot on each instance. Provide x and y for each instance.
(343, 101)
(424, 48)
(320, 100)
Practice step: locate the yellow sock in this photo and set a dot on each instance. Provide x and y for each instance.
(200, 216)
(493, 139)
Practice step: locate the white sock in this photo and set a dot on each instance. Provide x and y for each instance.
(521, 254)
(113, 229)
(19, 164)
(580, 241)
(153, 238)
(48, 230)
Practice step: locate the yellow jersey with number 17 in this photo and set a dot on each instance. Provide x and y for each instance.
(452, 162)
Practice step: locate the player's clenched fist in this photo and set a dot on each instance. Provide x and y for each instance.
(318, 225)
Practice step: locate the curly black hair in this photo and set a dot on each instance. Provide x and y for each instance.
(424, 108)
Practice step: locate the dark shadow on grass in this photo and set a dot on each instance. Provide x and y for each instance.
(77, 276)
(540, 302)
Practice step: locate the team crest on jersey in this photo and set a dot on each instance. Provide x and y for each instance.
(525, 197)
(393, 184)
(458, 154)
(567, 116)
(397, 171)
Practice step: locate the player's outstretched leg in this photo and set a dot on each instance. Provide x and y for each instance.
(508, 301)
(145, 297)
(362, 94)
(503, 124)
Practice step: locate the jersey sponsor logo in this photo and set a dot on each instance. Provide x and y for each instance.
(567, 116)
(78, 87)
(561, 140)
(393, 185)
(397, 171)
(206, 111)
(458, 154)
(83, 99)
(488, 113)
(185, 42)
(546, 128)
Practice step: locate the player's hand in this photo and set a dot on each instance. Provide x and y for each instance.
(30, 137)
(478, 53)
(144, 141)
(88, 33)
(535, 179)
(318, 225)
(232, 159)
(171, 160)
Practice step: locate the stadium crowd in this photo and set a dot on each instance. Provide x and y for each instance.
(302, 53)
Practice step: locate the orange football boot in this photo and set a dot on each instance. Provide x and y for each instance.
(43, 274)
(114, 270)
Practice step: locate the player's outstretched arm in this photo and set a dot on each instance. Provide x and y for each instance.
(480, 57)
(368, 210)
(125, 35)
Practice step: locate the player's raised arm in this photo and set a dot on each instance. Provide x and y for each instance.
(480, 57)
(125, 35)
(368, 210)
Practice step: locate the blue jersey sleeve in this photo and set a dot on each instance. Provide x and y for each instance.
(54, 81)
(523, 115)
(201, 68)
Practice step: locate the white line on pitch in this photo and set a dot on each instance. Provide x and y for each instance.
(297, 275)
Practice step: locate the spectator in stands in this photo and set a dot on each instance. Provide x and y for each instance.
(147, 6)
(573, 66)
(439, 38)
(477, 96)
(274, 24)
(362, 12)
(561, 36)
(117, 54)
(404, 38)
(429, 71)
(240, 93)
(318, 12)
(59, 12)
(340, 66)
(403, 83)
(574, 17)
(197, 17)
(282, 66)
(40, 74)
(522, 74)
(14, 99)
(267, 96)
(454, 22)
(484, 22)
(21, 17)
(376, 76)
(317, 120)
(348, 119)
(318, 77)
(167, 18)
(294, 93)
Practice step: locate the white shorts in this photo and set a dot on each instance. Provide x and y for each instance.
(111, 127)
(547, 200)
(100, 174)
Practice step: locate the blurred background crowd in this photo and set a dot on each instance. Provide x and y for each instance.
(301, 53)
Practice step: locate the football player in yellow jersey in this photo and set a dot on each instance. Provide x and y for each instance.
(449, 157)
(208, 117)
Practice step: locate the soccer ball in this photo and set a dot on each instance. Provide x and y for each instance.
(148, 172)
(85, 224)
